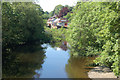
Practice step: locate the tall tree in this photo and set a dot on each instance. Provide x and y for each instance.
(51, 13)
(46, 15)
(57, 9)
(63, 12)
(22, 22)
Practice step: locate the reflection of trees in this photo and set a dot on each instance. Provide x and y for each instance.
(22, 62)
(55, 44)
(62, 45)
(76, 67)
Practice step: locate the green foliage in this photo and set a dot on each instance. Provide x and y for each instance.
(95, 30)
(69, 7)
(22, 23)
(46, 15)
(51, 13)
(73, 12)
(56, 35)
(57, 9)
(69, 16)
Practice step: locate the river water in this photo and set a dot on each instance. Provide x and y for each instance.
(46, 61)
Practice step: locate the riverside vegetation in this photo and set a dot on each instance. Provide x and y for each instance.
(94, 29)
(22, 23)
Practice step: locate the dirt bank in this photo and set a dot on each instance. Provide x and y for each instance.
(101, 72)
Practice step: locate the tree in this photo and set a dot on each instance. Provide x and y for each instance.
(70, 8)
(94, 30)
(57, 9)
(22, 23)
(51, 13)
(46, 15)
(63, 12)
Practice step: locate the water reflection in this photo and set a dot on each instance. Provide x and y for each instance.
(64, 45)
(77, 67)
(60, 45)
(22, 62)
(34, 61)
(54, 65)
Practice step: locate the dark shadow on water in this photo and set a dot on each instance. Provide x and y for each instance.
(22, 62)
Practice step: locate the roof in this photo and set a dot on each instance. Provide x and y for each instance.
(57, 20)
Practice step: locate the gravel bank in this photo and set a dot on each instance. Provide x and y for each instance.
(101, 72)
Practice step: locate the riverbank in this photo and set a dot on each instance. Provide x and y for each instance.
(101, 72)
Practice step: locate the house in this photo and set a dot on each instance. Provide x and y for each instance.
(50, 21)
(54, 22)
(62, 22)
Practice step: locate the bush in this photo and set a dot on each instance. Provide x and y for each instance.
(95, 30)
(56, 35)
(22, 23)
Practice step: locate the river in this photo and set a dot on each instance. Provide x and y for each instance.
(46, 61)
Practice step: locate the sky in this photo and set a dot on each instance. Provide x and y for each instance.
(49, 5)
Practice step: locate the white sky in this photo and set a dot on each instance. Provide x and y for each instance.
(49, 5)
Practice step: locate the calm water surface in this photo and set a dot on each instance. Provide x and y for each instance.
(44, 62)
(54, 64)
